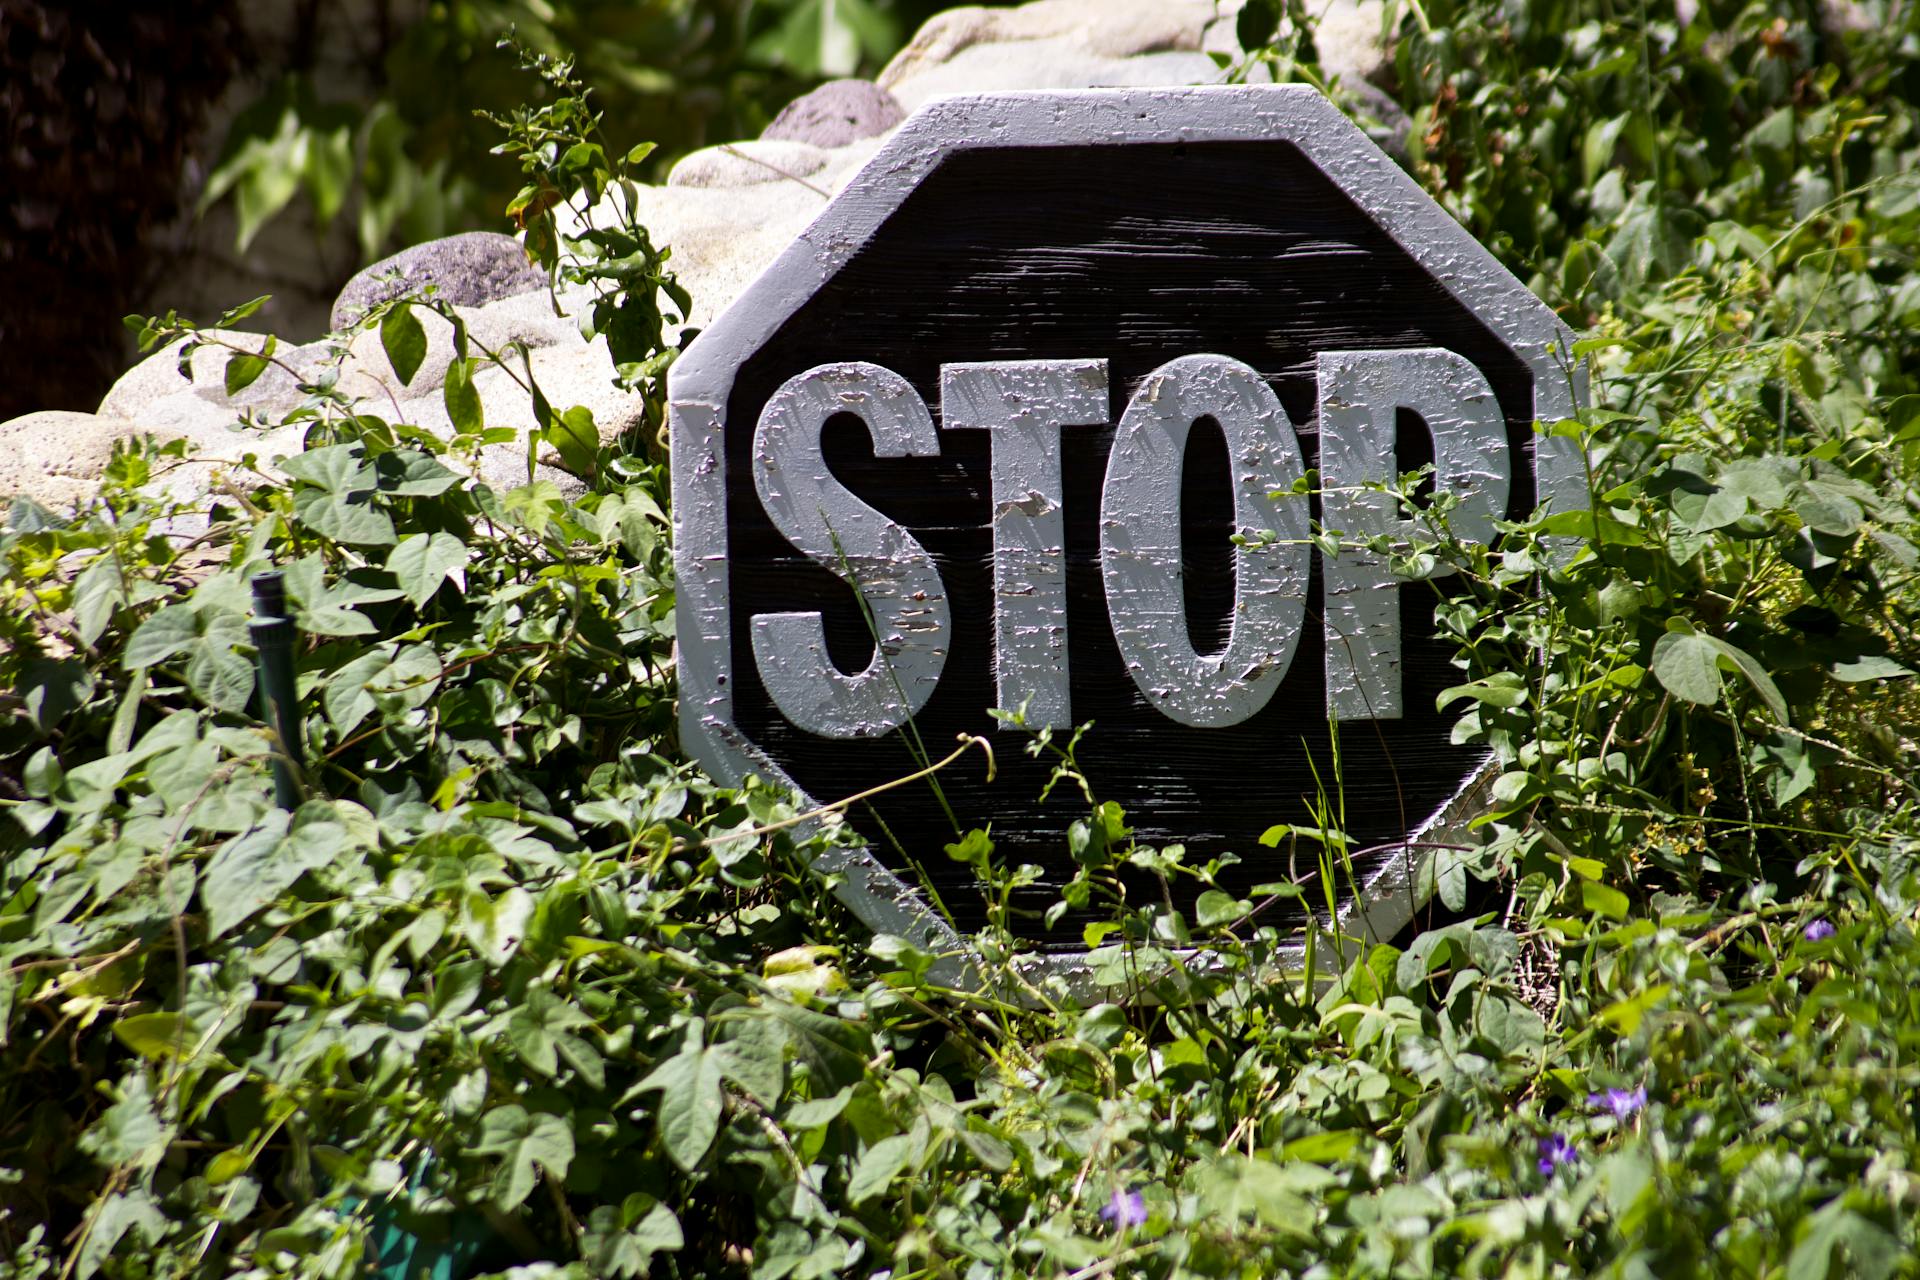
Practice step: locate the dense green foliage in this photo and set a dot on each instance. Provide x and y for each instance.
(406, 165)
(515, 987)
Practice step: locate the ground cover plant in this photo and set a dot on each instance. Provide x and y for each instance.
(514, 990)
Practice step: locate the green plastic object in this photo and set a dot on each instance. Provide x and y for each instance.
(444, 1249)
(274, 635)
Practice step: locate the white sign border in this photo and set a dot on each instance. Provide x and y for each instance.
(701, 382)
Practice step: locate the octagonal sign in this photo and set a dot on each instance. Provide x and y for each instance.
(1030, 418)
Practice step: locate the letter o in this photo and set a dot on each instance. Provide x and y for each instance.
(1140, 541)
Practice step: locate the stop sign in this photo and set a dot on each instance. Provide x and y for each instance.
(984, 435)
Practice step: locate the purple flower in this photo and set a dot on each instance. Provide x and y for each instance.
(1818, 930)
(1619, 1103)
(1556, 1151)
(1125, 1209)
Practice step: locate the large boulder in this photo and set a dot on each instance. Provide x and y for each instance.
(56, 457)
(468, 270)
(1055, 44)
(838, 112)
(747, 164)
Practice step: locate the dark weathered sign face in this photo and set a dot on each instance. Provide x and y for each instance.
(1022, 383)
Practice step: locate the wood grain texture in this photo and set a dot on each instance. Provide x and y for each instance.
(1136, 255)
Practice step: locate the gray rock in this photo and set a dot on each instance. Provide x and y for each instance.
(467, 270)
(838, 112)
(1374, 110)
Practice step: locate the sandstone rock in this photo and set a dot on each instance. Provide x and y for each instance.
(527, 318)
(215, 432)
(1346, 34)
(160, 402)
(567, 379)
(1349, 40)
(503, 468)
(723, 237)
(275, 392)
(1102, 28)
(838, 112)
(56, 457)
(467, 270)
(155, 396)
(154, 377)
(1054, 44)
(1060, 63)
(158, 376)
(746, 164)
